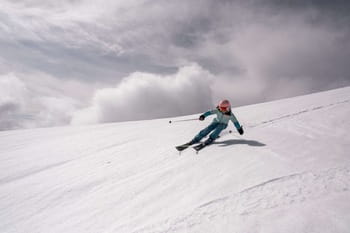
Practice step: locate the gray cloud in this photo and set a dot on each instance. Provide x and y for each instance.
(254, 49)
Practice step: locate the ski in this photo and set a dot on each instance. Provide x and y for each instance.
(202, 145)
(182, 147)
(199, 147)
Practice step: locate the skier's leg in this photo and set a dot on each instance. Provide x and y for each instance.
(215, 134)
(204, 132)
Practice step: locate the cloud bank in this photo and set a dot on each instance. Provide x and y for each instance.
(147, 96)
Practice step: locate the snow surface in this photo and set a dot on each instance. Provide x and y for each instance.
(289, 172)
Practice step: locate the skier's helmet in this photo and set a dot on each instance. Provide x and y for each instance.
(224, 106)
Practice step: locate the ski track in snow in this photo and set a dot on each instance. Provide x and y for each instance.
(275, 193)
(30, 173)
(89, 152)
(298, 113)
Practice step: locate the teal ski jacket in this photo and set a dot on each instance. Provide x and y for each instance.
(223, 118)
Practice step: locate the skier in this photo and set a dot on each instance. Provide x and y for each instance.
(223, 115)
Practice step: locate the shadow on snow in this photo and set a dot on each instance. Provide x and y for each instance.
(239, 141)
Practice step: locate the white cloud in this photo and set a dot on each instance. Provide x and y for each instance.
(148, 96)
(13, 94)
(22, 106)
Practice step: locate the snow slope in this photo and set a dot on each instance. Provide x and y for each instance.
(290, 172)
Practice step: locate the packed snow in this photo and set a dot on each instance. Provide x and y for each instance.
(289, 172)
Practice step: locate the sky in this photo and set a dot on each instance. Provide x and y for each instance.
(82, 61)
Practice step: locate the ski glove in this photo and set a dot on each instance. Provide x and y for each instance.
(201, 117)
(240, 130)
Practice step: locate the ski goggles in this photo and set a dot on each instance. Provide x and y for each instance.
(224, 109)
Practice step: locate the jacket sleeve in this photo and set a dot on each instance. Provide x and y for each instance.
(210, 112)
(235, 121)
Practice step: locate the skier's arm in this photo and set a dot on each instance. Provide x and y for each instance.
(236, 123)
(208, 113)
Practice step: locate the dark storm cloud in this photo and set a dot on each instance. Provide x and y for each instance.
(67, 63)
(336, 7)
(335, 13)
(72, 48)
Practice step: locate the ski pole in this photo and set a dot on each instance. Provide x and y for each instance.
(192, 119)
